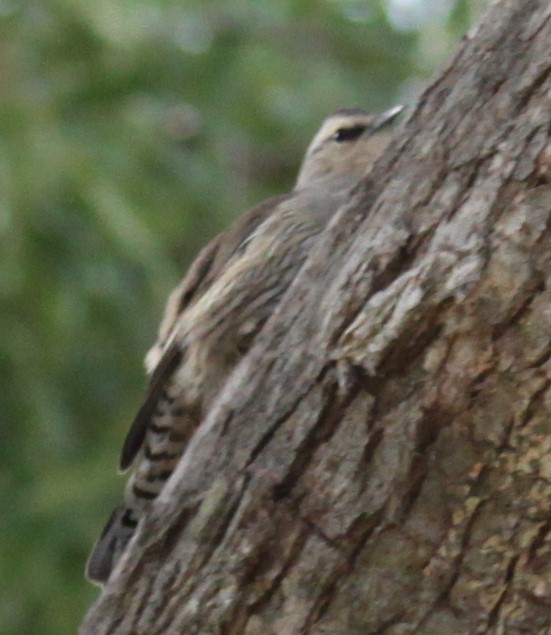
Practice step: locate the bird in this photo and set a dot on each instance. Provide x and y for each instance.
(217, 310)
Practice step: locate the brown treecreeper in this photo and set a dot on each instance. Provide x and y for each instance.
(222, 303)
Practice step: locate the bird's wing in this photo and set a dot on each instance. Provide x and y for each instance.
(205, 269)
(160, 378)
(164, 358)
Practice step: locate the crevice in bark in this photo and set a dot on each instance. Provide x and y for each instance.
(117, 621)
(401, 262)
(542, 360)
(217, 538)
(172, 534)
(287, 565)
(371, 446)
(427, 434)
(357, 536)
(534, 405)
(143, 601)
(536, 287)
(406, 350)
(321, 432)
(529, 91)
(269, 434)
(443, 597)
(257, 605)
(538, 541)
(495, 611)
(166, 592)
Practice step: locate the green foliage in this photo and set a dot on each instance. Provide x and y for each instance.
(131, 132)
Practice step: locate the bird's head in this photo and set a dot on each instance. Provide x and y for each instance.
(347, 144)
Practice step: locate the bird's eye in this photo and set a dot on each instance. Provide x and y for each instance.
(349, 134)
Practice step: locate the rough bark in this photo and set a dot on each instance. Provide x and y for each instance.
(381, 461)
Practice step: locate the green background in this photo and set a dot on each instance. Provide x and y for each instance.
(130, 133)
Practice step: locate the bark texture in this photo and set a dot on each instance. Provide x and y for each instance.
(381, 461)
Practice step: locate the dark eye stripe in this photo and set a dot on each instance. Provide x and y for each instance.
(349, 134)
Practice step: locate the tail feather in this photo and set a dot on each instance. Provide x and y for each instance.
(110, 545)
(164, 443)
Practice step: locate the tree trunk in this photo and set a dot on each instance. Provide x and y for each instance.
(381, 461)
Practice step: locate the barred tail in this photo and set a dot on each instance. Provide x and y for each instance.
(110, 545)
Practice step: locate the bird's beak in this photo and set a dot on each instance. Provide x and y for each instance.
(387, 117)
